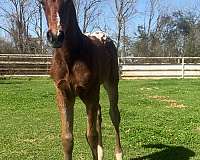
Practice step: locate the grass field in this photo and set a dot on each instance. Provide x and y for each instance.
(160, 121)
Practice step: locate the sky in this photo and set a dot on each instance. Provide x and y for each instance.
(138, 19)
(141, 6)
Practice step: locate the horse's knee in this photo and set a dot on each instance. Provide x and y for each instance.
(67, 141)
(68, 137)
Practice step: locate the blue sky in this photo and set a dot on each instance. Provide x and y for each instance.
(165, 5)
(170, 4)
(138, 19)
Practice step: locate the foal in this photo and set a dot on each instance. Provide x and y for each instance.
(79, 66)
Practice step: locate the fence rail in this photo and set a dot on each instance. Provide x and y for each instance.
(24, 64)
(130, 67)
(159, 67)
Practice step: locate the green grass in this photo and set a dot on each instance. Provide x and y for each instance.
(160, 121)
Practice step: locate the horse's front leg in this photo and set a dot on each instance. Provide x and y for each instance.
(66, 108)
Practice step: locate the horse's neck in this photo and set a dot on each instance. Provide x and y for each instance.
(73, 34)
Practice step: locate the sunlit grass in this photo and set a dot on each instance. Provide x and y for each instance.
(160, 121)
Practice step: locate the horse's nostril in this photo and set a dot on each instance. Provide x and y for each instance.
(61, 36)
(55, 40)
(49, 36)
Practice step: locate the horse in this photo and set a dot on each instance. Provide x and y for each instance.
(80, 64)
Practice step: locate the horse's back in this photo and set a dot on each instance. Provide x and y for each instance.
(104, 57)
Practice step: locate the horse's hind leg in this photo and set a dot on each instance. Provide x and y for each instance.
(98, 126)
(92, 134)
(112, 90)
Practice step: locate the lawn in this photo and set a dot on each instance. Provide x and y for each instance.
(160, 121)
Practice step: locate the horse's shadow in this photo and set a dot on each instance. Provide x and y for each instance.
(167, 153)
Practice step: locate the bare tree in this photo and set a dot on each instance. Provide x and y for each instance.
(18, 20)
(37, 22)
(77, 4)
(124, 11)
(150, 14)
(87, 12)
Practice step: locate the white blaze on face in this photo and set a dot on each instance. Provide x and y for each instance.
(58, 23)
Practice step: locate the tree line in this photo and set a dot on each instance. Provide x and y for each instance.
(160, 33)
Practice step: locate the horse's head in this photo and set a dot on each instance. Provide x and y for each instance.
(55, 16)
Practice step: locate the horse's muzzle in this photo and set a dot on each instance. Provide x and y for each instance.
(56, 41)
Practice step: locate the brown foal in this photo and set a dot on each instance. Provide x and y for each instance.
(79, 66)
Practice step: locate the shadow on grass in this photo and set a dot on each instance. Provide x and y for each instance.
(167, 153)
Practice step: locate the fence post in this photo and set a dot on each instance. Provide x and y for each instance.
(183, 67)
(120, 68)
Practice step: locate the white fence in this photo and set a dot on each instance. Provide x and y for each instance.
(159, 67)
(130, 67)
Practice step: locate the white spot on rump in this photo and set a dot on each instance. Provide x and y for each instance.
(119, 156)
(102, 36)
(87, 34)
(100, 152)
